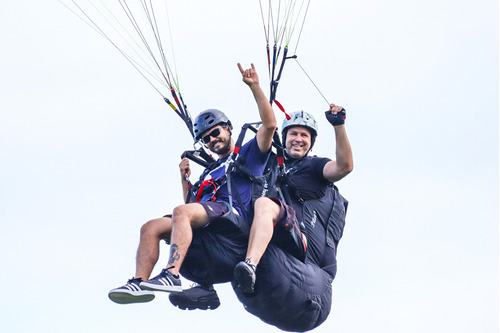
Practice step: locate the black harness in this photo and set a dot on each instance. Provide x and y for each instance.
(275, 181)
(234, 164)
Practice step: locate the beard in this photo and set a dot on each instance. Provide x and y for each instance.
(221, 149)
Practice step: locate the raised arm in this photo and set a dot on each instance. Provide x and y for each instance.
(343, 164)
(266, 113)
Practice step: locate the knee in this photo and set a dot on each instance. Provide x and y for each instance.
(264, 205)
(147, 228)
(180, 214)
(154, 227)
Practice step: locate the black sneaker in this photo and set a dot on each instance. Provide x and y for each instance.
(244, 275)
(196, 297)
(131, 293)
(165, 281)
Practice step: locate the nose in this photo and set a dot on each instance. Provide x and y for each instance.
(213, 138)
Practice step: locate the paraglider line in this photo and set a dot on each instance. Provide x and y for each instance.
(312, 82)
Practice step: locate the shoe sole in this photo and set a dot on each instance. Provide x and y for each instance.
(156, 287)
(126, 298)
(200, 304)
(243, 276)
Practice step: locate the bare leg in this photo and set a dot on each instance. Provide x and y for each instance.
(185, 218)
(148, 251)
(261, 232)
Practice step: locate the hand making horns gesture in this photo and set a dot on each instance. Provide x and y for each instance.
(250, 76)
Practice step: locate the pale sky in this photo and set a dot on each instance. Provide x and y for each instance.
(90, 152)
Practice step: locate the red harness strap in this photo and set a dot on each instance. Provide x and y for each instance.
(278, 104)
(205, 183)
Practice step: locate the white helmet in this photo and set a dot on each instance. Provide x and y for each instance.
(300, 118)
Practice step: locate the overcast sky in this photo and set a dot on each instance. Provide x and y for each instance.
(89, 152)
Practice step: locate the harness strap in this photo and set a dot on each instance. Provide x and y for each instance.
(246, 172)
(200, 157)
(236, 192)
(278, 104)
(190, 189)
(235, 164)
(205, 183)
(239, 141)
(202, 184)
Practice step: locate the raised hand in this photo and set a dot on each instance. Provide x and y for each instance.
(250, 76)
(336, 115)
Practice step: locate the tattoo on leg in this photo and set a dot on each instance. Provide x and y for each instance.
(174, 254)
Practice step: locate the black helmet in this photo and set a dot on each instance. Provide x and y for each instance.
(207, 119)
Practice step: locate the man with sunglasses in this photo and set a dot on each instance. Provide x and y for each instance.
(291, 288)
(215, 246)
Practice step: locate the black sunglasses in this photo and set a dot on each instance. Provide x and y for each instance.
(215, 133)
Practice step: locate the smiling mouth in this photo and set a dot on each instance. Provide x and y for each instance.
(214, 143)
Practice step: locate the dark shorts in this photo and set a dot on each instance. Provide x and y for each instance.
(287, 233)
(214, 209)
(287, 217)
(217, 247)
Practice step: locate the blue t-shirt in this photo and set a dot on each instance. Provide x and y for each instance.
(255, 161)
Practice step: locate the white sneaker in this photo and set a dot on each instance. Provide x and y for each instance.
(131, 293)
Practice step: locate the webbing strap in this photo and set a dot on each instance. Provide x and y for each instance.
(235, 164)
(205, 183)
(202, 158)
(278, 104)
(190, 188)
(241, 137)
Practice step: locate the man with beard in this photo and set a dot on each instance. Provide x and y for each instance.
(285, 280)
(196, 231)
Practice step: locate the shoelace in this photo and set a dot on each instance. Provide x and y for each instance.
(134, 280)
(250, 263)
(165, 271)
